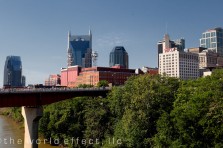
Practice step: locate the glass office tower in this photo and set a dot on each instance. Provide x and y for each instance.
(119, 56)
(13, 72)
(213, 40)
(79, 50)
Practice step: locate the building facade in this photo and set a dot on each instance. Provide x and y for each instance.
(183, 65)
(212, 39)
(13, 72)
(150, 70)
(196, 49)
(119, 56)
(69, 75)
(75, 75)
(79, 50)
(208, 59)
(166, 43)
(114, 75)
(23, 81)
(53, 80)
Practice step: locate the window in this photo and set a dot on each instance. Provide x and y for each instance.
(214, 45)
(207, 43)
(207, 35)
(213, 39)
(202, 41)
(203, 35)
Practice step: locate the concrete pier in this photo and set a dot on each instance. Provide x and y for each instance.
(31, 117)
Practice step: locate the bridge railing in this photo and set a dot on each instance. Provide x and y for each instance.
(30, 90)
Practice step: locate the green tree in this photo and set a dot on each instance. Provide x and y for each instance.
(64, 120)
(196, 119)
(96, 120)
(102, 83)
(140, 104)
(85, 86)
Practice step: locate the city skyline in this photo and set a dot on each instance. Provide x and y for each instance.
(37, 30)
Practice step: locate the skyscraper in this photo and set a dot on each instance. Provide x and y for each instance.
(79, 50)
(213, 40)
(183, 65)
(175, 62)
(119, 56)
(166, 44)
(13, 71)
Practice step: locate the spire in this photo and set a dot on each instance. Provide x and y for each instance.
(69, 51)
(166, 43)
(69, 34)
(90, 34)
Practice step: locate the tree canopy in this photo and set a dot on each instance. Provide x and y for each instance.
(148, 111)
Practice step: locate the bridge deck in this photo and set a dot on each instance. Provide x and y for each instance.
(38, 97)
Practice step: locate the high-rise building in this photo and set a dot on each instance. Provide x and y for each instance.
(183, 65)
(166, 44)
(119, 56)
(23, 81)
(79, 50)
(212, 39)
(13, 72)
(175, 62)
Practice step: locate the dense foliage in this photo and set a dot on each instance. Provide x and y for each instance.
(12, 112)
(148, 111)
(197, 116)
(103, 83)
(126, 118)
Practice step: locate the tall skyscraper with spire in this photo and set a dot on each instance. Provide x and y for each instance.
(79, 50)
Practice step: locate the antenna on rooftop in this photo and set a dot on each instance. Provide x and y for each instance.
(94, 56)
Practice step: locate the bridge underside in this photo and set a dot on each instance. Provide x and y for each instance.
(17, 99)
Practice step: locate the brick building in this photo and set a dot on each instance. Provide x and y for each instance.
(53, 80)
(76, 76)
(69, 75)
(114, 75)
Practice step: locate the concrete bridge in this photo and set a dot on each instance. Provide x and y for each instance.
(31, 101)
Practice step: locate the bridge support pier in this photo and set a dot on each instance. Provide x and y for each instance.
(31, 117)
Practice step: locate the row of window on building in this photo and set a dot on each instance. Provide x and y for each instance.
(188, 64)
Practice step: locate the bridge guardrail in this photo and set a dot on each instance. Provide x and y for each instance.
(29, 90)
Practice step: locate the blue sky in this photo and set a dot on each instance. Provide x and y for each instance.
(37, 30)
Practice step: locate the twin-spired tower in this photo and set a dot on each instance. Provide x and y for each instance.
(79, 50)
